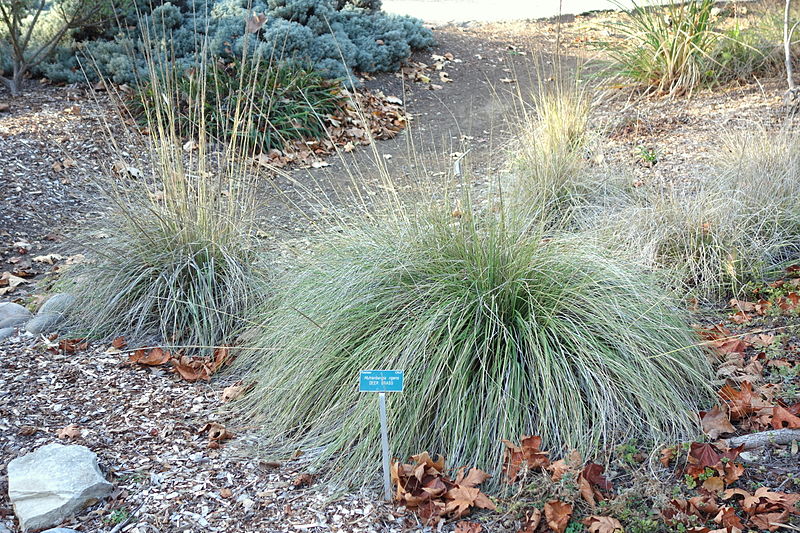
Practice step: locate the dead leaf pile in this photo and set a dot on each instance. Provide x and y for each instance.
(527, 457)
(425, 487)
(190, 368)
(762, 510)
(364, 118)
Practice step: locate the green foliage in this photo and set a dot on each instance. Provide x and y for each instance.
(647, 155)
(292, 102)
(177, 266)
(742, 52)
(667, 49)
(501, 333)
(117, 516)
(335, 37)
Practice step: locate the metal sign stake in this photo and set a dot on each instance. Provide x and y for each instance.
(382, 381)
(387, 482)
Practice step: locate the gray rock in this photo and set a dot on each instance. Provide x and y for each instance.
(4, 334)
(50, 314)
(10, 322)
(4, 529)
(48, 485)
(12, 310)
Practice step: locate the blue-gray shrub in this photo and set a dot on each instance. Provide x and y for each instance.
(335, 36)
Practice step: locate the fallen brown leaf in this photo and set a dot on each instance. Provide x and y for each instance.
(234, 392)
(69, 432)
(152, 357)
(532, 520)
(716, 422)
(468, 527)
(557, 515)
(602, 524)
(303, 480)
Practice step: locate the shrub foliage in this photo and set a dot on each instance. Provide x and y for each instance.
(286, 101)
(333, 36)
(501, 334)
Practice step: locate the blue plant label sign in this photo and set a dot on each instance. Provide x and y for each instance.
(381, 381)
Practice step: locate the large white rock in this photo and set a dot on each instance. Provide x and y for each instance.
(48, 485)
(11, 310)
(50, 314)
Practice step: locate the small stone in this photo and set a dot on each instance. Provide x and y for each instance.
(50, 484)
(6, 333)
(50, 314)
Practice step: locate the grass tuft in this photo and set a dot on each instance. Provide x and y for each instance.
(549, 155)
(501, 333)
(713, 239)
(675, 48)
(177, 265)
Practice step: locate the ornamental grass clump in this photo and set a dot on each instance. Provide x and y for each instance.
(555, 178)
(712, 239)
(176, 265)
(667, 49)
(549, 151)
(501, 333)
(690, 236)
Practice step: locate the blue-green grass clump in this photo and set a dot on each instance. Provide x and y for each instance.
(501, 333)
(334, 36)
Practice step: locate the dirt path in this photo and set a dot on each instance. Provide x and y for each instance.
(53, 143)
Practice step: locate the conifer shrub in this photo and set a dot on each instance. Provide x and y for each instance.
(333, 36)
(501, 333)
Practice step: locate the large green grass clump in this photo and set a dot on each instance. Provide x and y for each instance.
(177, 265)
(675, 48)
(501, 333)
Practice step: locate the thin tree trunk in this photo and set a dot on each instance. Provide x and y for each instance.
(9, 85)
(787, 48)
(17, 81)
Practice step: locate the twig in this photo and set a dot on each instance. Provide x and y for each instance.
(787, 48)
(125, 522)
(785, 526)
(764, 438)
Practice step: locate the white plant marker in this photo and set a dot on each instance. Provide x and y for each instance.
(382, 381)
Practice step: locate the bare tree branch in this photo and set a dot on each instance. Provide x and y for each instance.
(787, 48)
(12, 13)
